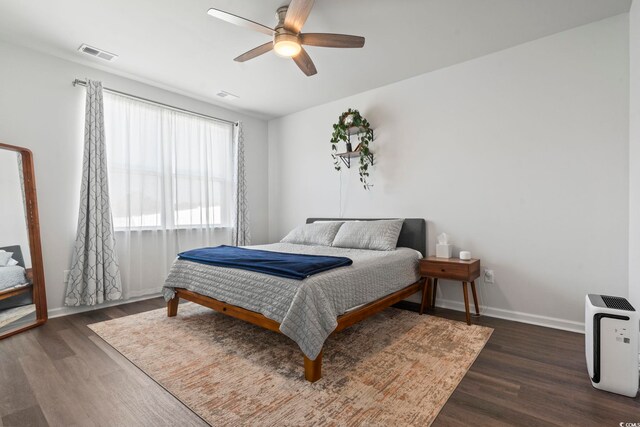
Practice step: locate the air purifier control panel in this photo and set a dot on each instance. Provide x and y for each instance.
(622, 335)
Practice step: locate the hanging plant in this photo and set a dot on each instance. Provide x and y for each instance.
(349, 123)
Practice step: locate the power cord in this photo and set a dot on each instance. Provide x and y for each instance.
(340, 200)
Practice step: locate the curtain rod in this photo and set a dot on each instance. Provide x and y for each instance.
(78, 82)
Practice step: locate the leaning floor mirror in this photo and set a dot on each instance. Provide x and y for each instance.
(23, 304)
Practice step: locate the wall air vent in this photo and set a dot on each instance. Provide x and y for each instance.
(97, 53)
(227, 95)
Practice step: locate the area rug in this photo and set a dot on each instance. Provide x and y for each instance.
(12, 315)
(395, 368)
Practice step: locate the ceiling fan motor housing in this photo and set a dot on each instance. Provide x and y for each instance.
(284, 35)
(281, 13)
(286, 43)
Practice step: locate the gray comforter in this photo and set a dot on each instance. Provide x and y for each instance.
(12, 276)
(307, 310)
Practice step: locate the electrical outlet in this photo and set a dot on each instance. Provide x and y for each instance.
(488, 276)
(66, 276)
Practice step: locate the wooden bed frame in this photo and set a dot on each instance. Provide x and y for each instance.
(312, 368)
(9, 293)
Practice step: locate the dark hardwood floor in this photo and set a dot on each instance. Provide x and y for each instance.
(531, 376)
(62, 374)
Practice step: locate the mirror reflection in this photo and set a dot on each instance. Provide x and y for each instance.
(17, 306)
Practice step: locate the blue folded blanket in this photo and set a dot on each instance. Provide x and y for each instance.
(282, 264)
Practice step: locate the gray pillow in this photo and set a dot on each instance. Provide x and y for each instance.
(314, 234)
(377, 235)
(6, 256)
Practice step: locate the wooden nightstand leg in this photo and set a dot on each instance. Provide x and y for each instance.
(475, 296)
(434, 289)
(466, 302)
(426, 287)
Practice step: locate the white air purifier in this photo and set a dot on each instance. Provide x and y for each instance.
(611, 344)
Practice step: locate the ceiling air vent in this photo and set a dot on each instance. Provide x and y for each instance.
(98, 53)
(227, 95)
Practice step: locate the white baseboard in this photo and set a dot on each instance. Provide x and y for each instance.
(138, 296)
(533, 319)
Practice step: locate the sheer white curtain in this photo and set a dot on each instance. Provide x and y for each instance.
(171, 184)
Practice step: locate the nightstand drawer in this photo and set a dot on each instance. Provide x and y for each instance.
(445, 270)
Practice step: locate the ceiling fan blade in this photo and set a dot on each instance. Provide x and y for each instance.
(331, 40)
(297, 14)
(240, 21)
(303, 60)
(256, 51)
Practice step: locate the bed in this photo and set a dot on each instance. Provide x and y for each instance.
(310, 310)
(14, 280)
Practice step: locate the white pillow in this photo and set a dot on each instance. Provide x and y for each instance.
(12, 262)
(5, 257)
(379, 235)
(313, 234)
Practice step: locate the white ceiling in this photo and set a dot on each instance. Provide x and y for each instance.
(176, 45)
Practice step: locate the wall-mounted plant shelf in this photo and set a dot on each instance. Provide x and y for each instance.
(346, 157)
(352, 123)
(354, 130)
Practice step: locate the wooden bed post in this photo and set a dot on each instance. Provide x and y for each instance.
(313, 368)
(172, 306)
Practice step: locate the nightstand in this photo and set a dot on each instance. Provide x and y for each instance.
(432, 268)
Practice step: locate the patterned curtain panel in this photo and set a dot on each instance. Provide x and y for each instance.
(241, 234)
(94, 276)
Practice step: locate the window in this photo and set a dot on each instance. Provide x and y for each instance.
(167, 169)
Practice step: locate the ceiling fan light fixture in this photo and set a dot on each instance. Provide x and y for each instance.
(287, 49)
(286, 45)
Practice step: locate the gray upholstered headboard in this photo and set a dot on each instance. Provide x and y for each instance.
(17, 254)
(413, 234)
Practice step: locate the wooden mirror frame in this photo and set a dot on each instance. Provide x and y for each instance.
(35, 247)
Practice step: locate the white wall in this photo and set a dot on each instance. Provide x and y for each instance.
(634, 155)
(41, 110)
(13, 224)
(521, 156)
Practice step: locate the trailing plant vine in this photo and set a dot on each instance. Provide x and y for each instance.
(347, 121)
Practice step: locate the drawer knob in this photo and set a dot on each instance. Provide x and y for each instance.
(442, 270)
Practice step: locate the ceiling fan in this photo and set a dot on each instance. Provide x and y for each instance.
(287, 38)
